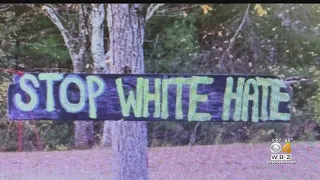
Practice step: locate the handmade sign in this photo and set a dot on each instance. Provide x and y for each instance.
(148, 97)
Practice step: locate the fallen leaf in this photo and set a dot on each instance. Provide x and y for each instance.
(206, 8)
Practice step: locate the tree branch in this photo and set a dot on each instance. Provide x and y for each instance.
(193, 136)
(6, 8)
(152, 9)
(86, 19)
(50, 12)
(232, 40)
(41, 45)
(82, 31)
(97, 36)
(171, 11)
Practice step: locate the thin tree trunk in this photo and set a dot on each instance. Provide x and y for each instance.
(129, 139)
(192, 139)
(99, 56)
(106, 138)
(83, 129)
(77, 47)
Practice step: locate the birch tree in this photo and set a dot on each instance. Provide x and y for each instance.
(75, 38)
(99, 56)
(126, 25)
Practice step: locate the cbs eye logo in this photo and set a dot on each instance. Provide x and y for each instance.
(275, 147)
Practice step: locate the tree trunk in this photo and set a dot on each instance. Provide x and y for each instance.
(106, 138)
(129, 139)
(99, 56)
(83, 129)
(77, 47)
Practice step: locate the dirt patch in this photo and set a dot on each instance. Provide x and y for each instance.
(236, 161)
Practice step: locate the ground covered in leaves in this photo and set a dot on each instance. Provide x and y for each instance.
(235, 161)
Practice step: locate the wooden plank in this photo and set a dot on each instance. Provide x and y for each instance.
(148, 97)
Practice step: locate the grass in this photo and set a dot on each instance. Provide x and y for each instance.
(233, 161)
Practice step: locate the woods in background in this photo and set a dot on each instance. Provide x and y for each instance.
(277, 39)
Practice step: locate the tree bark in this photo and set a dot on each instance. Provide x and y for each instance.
(99, 56)
(106, 137)
(77, 47)
(126, 24)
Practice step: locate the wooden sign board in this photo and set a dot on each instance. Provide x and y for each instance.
(148, 97)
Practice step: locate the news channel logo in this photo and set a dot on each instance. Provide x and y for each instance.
(281, 154)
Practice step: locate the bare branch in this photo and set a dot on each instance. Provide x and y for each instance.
(50, 12)
(86, 18)
(41, 45)
(296, 79)
(152, 9)
(51, 70)
(171, 11)
(82, 39)
(6, 7)
(55, 10)
(232, 40)
(193, 136)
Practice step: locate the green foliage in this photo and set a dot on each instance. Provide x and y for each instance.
(171, 50)
(278, 39)
(47, 47)
(57, 136)
(45, 50)
(7, 132)
(30, 38)
(296, 52)
(314, 101)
